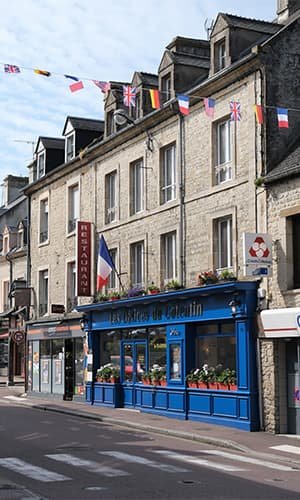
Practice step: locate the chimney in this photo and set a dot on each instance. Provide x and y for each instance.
(285, 9)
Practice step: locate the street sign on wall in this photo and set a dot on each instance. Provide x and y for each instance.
(257, 253)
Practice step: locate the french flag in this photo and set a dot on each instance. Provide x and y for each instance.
(105, 264)
(283, 119)
(184, 104)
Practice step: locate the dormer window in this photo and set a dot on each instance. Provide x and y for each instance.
(70, 147)
(110, 123)
(137, 111)
(41, 164)
(166, 88)
(5, 245)
(220, 55)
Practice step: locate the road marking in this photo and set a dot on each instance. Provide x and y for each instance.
(248, 460)
(32, 471)
(30, 437)
(143, 461)
(89, 465)
(287, 447)
(199, 461)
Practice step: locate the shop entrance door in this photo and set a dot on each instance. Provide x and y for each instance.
(133, 361)
(293, 380)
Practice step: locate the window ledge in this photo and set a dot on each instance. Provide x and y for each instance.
(291, 291)
(72, 233)
(44, 243)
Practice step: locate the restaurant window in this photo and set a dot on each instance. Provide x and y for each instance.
(175, 361)
(110, 197)
(137, 264)
(44, 220)
(216, 347)
(223, 169)
(168, 174)
(110, 348)
(157, 348)
(73, 207)
(136, 187)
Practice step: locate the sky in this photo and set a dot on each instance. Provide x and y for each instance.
(92, 40)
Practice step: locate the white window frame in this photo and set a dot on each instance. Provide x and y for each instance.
(224, 245)
(137, 264)
(112, 279)
(223, 164)
(166, 88)
(41, 159)
(220, 54)
(43, 202)
(43, 275)
(168, 174)
(5, 244)
(70, 151)
(73, 206)
(71, 299)
(5, 292)
(169, 256)
(137, 180)
(111, 197)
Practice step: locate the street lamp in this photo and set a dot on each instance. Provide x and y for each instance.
(235, 304)
(121, 118)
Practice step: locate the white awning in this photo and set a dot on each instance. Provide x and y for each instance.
(281, 323)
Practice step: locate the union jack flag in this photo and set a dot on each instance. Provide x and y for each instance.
(235, 110)
(10, 68)
(129, 94)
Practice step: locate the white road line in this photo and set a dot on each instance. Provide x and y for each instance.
(287, 447)
(142, 461)
(248, 460)
(32, 471)
(30, 437)
(199, 461)
(89, 465)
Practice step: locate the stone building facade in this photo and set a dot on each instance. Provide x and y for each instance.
(173, 195)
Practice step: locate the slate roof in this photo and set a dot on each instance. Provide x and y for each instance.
(149, 78)
(288, 167)
(251, 24)
(52, 142)
(85, 124)
(190, 60)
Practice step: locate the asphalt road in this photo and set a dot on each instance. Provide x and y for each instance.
(47, 455)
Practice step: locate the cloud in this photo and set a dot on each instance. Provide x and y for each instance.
(97, 40)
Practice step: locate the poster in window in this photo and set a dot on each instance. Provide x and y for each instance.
(58, 372)
(175, 357)
(45, 371)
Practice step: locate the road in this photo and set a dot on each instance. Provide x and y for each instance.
(47, 455)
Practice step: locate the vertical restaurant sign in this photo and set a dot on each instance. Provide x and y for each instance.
(84, 247)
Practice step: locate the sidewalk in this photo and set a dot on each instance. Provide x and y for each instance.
(252, 443)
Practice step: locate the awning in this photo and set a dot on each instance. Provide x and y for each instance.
(281, 323)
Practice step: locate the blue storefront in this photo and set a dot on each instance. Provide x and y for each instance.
(210, 329)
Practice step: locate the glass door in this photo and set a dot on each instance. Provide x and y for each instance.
(133, 363)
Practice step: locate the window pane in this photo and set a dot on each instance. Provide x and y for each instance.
(157, 348)
(73, 207)
(110, 197)
(43, 292)
(112, 276)
(169, 256)
(44, 220)
(296, 250)
(175, 361)
(137, 187)
(217, 352)
(137, 264)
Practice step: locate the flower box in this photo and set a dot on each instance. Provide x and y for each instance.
(223, 387)
(232, 387)
(213, 386)
(202, 385)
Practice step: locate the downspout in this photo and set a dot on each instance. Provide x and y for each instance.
(182, 265)
(10, 378)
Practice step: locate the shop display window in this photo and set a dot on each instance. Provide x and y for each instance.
(175, 361)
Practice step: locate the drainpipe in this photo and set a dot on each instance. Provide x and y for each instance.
(10, 379)
(182, 265)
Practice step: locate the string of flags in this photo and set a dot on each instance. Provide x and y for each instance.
(130, 93)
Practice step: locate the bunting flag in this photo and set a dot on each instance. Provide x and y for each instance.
(209, 106)
(105, 264)
(155, 98)
(103, 86)
(129, 94)
(11, 68)
(282, 117)
(78, 85)
(258, 109)
(235, 111)
(42, 72)
(183, 103)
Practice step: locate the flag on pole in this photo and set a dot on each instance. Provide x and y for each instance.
(10, 68)
(183, 103)
(105, 264)
(155, 98)
(235, 110)
(209, 106)
(42, 72)
(282, 117)
(129, 94)
(78, 85)
(258, 109)
(103, 86)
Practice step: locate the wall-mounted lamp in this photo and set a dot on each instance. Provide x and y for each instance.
(235, 304)
(120, 117)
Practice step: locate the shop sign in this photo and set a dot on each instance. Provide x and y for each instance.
(191, 309)
(257, 253)
(57, 308)
(83, 271)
